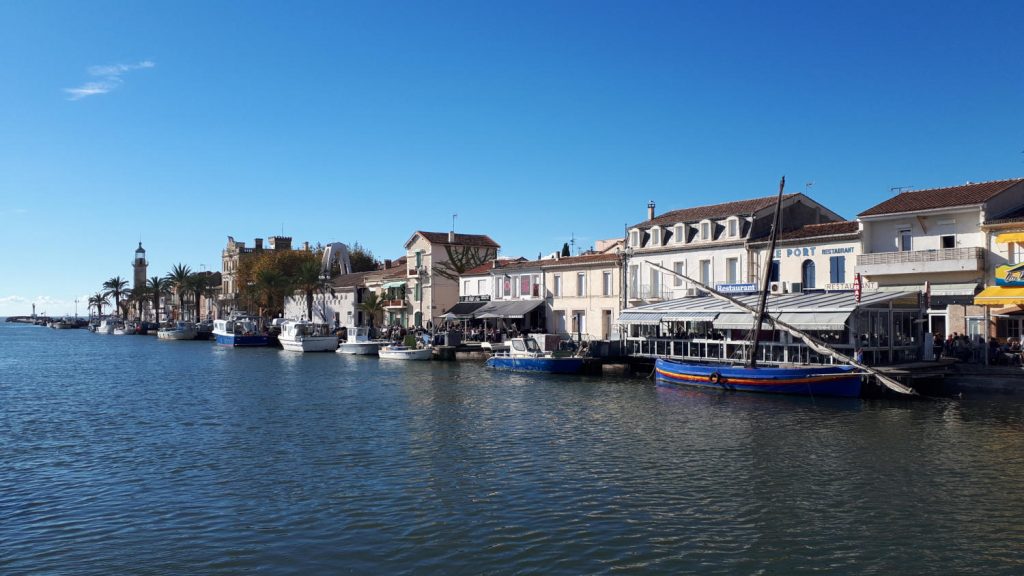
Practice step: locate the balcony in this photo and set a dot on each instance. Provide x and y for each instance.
(392, 304)
(415, 271)
(971, 259)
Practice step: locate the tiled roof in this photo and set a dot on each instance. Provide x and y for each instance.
(460, 239)
(486, 267)
(584, 259)
(713, 212)
(965, 195)
(817, 230)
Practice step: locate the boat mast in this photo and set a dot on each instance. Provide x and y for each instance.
(766, 279)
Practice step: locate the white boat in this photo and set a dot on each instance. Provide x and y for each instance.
(177, 331)
(359, 342)
(303, 336)
(395, 352)
(107, 326)
(239, 331)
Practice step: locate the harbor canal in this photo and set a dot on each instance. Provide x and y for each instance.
(133, 455)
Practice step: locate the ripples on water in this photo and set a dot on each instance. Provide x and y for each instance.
(132, 455)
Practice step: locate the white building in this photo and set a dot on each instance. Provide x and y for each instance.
(707, 243)
(936, 236)
(815, 257)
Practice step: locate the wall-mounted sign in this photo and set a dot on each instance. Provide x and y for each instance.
(1010, 275)
(735, 288)
(808, 251)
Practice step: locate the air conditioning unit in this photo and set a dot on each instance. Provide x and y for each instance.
(795, 287)
(691, 292)
(777, 288)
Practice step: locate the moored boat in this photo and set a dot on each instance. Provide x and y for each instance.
(838, 380)
(106, 326)
(177, 331)
(303, 336)
(358, 342)
(524, 355)
(239, 332)
(397, 352)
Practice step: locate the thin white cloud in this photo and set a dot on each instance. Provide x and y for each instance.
(110, 75)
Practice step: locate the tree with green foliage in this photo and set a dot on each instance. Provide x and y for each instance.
(157, 287)
(362, 259)
(372, 305)
(565, 250)
(98, 301)
(178, 279)
(309, 281)
(115, 287)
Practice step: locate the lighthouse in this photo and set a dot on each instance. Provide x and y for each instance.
(139, 267)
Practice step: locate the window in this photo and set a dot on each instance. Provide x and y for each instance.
(679, 268)
(606, 284)
(579, 322)
(947, 233)
(465, 287)
(705, 231)
(732, 266)
(1007, 327)
(948, 241)
(680, 233)
(419, 259)
(634, 278)
(536, 285)
(1015, 253)
(732, 228)
(418, 292)
(837, 269)
(581, 284)
(558, 285)
(655, 236)
(525, 285)
(481, 287)
(559, 321)
(655, 283)
(903, 239)
(807, 276)
(634, 238)
(773, 274)
(705, 272)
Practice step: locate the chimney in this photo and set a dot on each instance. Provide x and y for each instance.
(387, 264)
(451, 237)
(259, 243)
(305, 246)
(650, 210)
(494, 264)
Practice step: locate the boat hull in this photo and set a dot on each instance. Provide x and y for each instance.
(360, 348)
(310, 344)
(175, 335)
(841, 381)
(238, 341)
(544, 364)
(408, 354)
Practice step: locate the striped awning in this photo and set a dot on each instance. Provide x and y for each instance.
(633, 317)
(690, 316)
(815, 320)
(737, 321)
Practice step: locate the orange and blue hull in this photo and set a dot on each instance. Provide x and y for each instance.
(842, 381)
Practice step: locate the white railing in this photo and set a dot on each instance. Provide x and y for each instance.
(944, 254)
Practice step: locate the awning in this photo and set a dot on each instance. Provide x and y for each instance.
(396, 284)
(999, 296)
(680, 316)
(506, 309)
(1007, 237)
(463, 310)
(965, 289)
(648, 318)
(738, 321)
(815, 320)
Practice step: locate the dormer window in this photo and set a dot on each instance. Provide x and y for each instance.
(733, 226)
(680, 233)
(634, 238)
(655, 236)
(705, 231)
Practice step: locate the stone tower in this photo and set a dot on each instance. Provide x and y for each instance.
(139, 267)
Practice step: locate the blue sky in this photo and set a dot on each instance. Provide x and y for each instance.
(185, 122)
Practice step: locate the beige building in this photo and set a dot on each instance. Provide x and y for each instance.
(583, 293)
(434, 263)
(231, 258)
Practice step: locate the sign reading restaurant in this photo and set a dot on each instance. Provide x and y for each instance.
(810, 251)
(736, 288)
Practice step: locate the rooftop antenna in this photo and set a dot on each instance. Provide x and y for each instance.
(454, 216)
(572, 242)
(899, 189)
(807, 185)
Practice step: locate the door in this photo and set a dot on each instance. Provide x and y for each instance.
(606, 324)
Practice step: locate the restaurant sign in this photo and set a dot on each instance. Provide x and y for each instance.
(1010, 275)
(736, 288)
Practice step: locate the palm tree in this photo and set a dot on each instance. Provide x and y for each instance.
(138, 297)
(272, 285)
(200, 285)
(308, 279)
(178, 279)
(157, 287)
(371, 304)
(115, 287)
(98, 301)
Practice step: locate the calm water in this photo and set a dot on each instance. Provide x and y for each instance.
(124, 454)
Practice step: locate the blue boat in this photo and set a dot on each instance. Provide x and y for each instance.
(524, 355)
(238, 332)
(840, 380)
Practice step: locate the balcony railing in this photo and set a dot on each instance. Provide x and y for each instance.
(395, 303)
(913, 261)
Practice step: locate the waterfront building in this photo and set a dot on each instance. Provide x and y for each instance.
(231, 257)
(814, 257)
(434, 263)
(707, 243)
(936, 236)
(584, 295)
(1004, 278)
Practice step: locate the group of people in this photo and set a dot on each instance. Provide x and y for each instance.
(968, 349)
